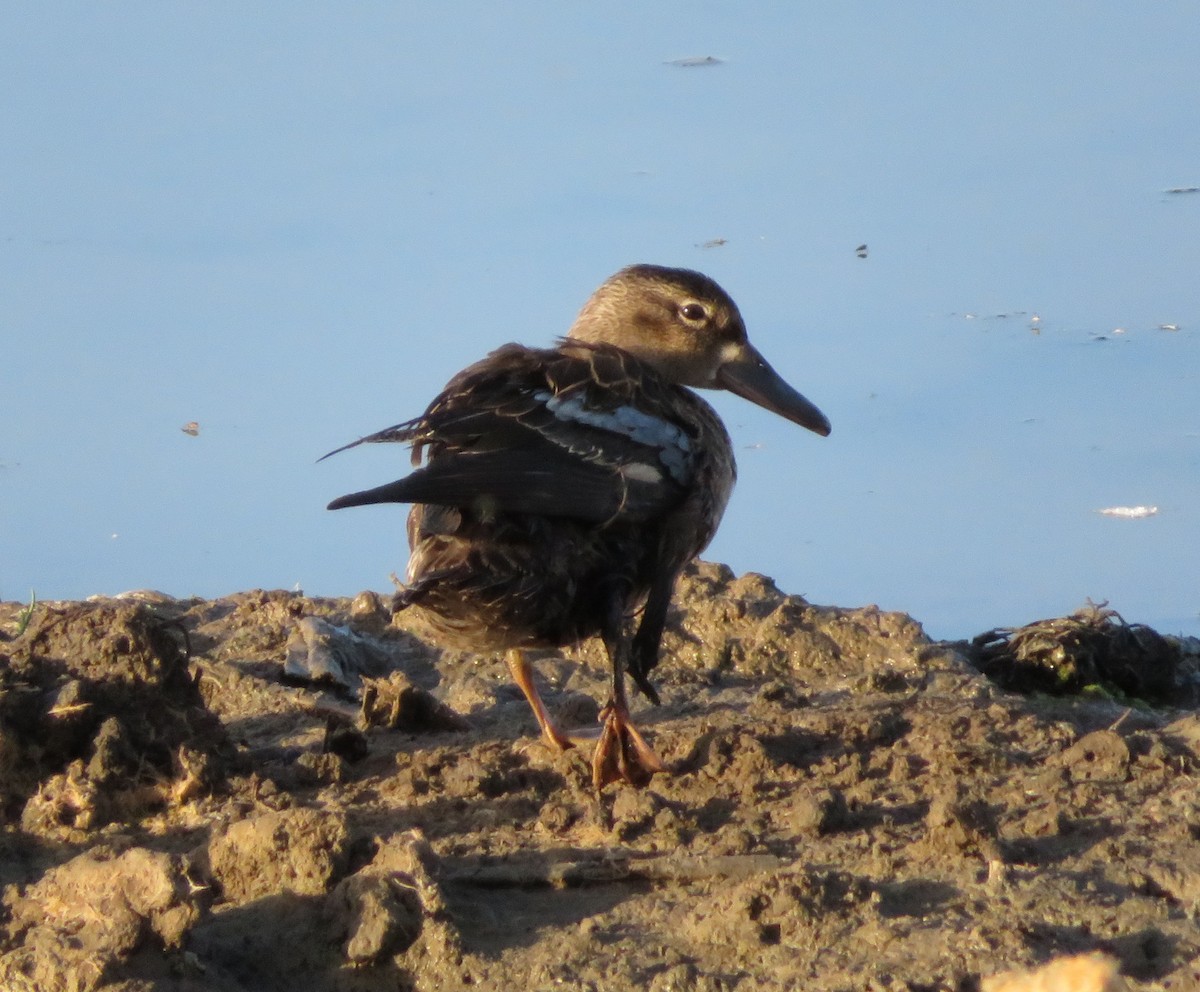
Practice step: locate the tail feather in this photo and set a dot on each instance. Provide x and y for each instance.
(549, 482)
(393, 492)
(399, 433)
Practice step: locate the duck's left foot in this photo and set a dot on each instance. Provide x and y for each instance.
(622, 754)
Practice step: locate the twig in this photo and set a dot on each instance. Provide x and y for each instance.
(573, 874)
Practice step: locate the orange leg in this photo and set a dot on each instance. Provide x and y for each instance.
(621, 755)
(522, 674)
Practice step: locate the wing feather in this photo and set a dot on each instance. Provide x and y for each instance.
(577, 431)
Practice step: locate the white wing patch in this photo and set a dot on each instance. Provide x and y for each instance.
(641, 472)
(673, 445)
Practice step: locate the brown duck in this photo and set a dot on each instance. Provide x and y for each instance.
(560, 489)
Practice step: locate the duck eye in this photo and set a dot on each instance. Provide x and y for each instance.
(693, 311)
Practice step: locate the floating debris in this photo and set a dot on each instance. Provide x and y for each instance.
(861, 251)
(1002, 315)
(1168, 327)
(1129, 512)
(713, 243)
(191, 428)
(694, 61)
(1092, 651)
(1183, 189)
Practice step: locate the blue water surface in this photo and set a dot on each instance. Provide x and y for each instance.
(292, 223)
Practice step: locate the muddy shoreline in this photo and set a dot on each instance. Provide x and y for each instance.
(852, 806)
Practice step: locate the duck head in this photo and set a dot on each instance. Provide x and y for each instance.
(689, 330)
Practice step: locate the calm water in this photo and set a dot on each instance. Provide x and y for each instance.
(292, 226)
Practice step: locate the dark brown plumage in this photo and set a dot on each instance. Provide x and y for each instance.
(560, 489)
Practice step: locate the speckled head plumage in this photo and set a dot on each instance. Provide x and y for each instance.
(678, 321)
(688, 329)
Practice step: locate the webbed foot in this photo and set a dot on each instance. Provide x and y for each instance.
(622, 754)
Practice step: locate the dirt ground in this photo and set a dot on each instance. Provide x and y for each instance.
(852, 807)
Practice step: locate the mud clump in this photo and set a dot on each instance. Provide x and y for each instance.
(100, 719)
(295, 851)
(83, 918)
(850, 806)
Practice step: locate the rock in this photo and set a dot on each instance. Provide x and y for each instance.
(322, 652)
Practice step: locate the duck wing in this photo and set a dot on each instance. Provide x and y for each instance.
(581, 431)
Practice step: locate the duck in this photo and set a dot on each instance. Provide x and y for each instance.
(558, 492)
